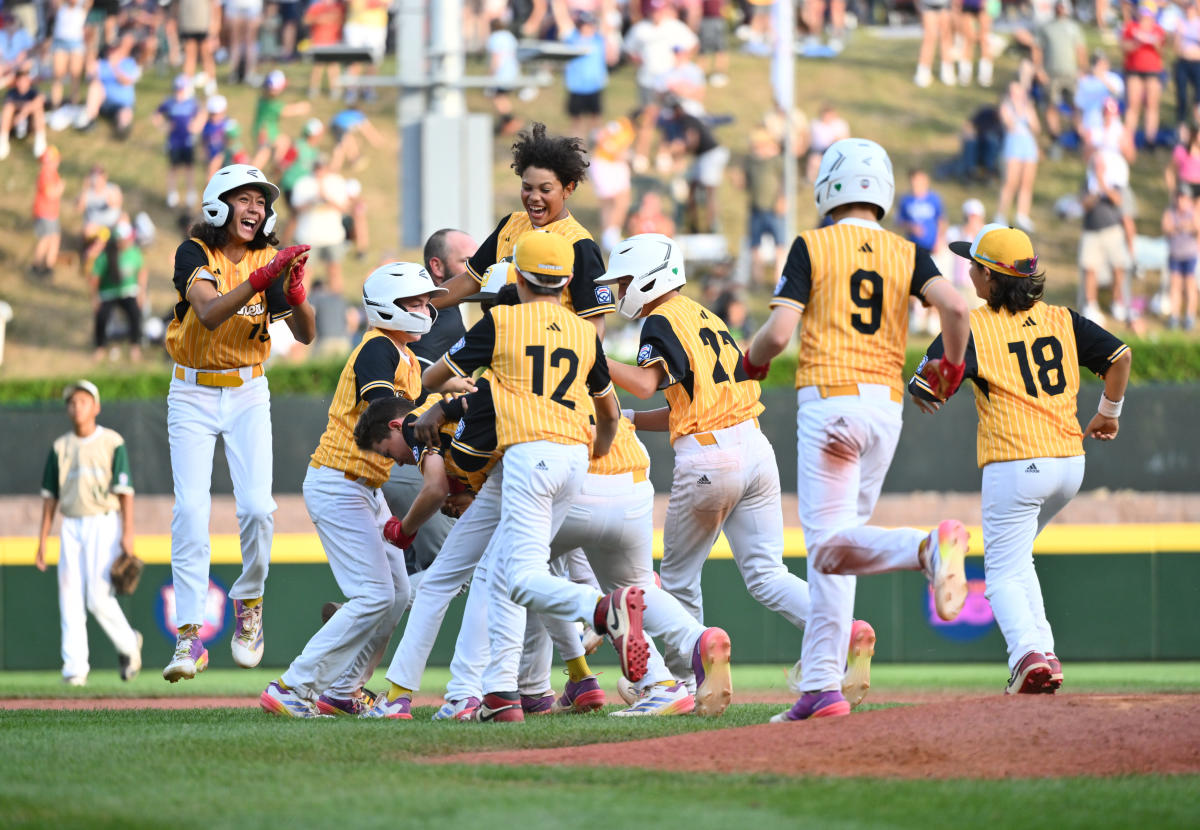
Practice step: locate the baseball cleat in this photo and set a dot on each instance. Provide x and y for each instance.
(580, 698)
(247, 641)
(460, 710)
(1031, 675)
(815, 705)
(542, 704)
(946, 551)
(398, 709)
(500, 707)
(1056, 674)
(628, 692)
(660, 700)
(710, 663)
(278, 700)
(857, 679)
(131, 664)
(353, 706)
(191, 657)
(619, 615)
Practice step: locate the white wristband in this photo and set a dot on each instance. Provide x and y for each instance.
(628, 413)
(1110, 409)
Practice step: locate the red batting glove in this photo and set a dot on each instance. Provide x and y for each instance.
(943, 377)
(755, 372)
(294, 289)
(393, 531)
(261, 279)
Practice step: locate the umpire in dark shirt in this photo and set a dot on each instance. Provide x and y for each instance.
(446, 254)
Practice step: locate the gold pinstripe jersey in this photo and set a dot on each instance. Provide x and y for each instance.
(243, 339)
(852, 281)
(627, 455)
(1025, 367)
(706, 386)
(471, 477)
(377, 366)
(543, 360)
(581, 295)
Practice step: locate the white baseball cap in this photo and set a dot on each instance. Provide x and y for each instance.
(85, 385)
(973, 207)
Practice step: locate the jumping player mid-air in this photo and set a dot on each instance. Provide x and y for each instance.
(232, 285)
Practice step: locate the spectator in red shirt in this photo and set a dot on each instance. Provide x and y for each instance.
(1143, 41)
(324, 20)
(46, 205)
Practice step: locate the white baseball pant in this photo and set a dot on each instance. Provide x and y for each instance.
(89, 546)
(241, 415)
(349, 518)
(727, 480)
(1019, 499)
(543, 635)
(461, 553)
(844, 447)
(541, 479)
(612, 521)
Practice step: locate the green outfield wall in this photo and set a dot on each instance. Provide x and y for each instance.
(1109, 606)
(1154, 452)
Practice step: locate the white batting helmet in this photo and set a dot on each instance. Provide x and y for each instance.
(228, 179)
(854, 170)
(656, 264)
(387, 286)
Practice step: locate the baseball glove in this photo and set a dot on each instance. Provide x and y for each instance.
(126, 572)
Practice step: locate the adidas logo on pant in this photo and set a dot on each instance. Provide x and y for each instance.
(541, 465)
(703, 479)
(1032, 468)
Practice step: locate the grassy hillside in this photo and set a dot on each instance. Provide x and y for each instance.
(871, 85)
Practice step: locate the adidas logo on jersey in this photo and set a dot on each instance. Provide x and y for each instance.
(1032, 468)
(866, 248)
(541, 465)
(1028, 322)
(703, 479)
(553, 327)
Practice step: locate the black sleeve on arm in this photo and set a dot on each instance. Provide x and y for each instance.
(796, 283)
(660, 344)
(277, 305)
(598, 380)
(188, 257)
(588, 298)
(924, 270)
(919, 387)
(475, 348)
(375, 370)
(1097, 347)
(485, 255)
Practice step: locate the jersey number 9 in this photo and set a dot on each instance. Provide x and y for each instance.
(866, 292)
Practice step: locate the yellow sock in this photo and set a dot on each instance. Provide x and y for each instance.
(666, 683)
(282, 685)
(398, 691)
(578, 669)
(250, 603)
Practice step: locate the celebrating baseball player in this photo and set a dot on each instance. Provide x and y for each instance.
(725, 472)
(87, 476)
(544, 362)
(341, 492)
(851, 282)
(1024, 357)
(232, 285)
(551, 168)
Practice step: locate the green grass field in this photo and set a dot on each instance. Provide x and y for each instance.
(225, 767)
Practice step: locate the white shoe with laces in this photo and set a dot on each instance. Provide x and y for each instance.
(660, 700)
(247, 641)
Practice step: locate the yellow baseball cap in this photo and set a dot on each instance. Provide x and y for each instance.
(545, 258)
(1000, 248)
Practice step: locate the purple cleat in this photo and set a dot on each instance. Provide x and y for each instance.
(815, 705)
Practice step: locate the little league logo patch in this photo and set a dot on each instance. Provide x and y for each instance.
(462, 341)
(779, 285)
(644, 354)
(603, 294)
(922, 364)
